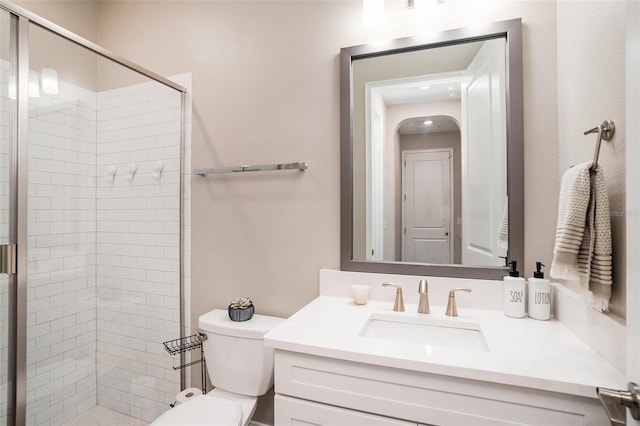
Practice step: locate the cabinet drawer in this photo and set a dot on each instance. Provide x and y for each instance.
(426, 398)
(295, 412)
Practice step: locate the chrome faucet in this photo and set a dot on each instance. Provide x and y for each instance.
(398, 306)
(423, 291)
(452, 310)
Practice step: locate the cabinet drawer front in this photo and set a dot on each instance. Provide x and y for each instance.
(298, 412)
(426, 398)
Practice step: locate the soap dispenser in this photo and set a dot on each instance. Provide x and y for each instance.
(539, 295)
(514, 293)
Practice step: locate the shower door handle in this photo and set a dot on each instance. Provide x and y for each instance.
(8, 259)
(614, 402)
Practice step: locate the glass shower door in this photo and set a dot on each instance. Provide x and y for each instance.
(90, 158)
(103, 272)
(7, 205)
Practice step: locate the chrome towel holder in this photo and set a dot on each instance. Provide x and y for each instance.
(302, 166)
(605, 131)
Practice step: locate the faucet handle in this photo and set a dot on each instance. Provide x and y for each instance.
(398, 305)
(423, 305)
(423, 287)
(452, 310)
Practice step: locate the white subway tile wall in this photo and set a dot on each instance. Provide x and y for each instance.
(138, 246)
(61, 295)
(104, 256)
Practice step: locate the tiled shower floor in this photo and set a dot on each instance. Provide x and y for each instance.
(100, 416)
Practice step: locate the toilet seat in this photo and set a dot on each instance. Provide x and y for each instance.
(215, 408)
(202, 410)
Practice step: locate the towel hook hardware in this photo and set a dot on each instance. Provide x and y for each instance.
(256, 168)
(605, 131)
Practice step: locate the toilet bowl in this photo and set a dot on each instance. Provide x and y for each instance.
(239, 366)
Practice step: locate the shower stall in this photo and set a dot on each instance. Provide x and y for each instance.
(92, 228)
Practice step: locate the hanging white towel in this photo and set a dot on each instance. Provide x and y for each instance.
(583, 234)
(572, 213)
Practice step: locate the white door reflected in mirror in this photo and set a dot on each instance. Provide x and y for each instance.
(426, 206)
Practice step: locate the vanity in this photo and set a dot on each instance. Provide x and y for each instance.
(337, 363)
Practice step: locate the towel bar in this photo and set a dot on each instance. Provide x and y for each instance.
(605, 131)
(257, 168)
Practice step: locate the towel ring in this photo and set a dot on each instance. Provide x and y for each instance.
(605, 131)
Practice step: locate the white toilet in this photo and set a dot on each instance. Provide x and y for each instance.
(239, 366)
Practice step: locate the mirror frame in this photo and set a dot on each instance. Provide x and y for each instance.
(511, 30)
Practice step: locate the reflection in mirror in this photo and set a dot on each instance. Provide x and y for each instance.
(429, 155)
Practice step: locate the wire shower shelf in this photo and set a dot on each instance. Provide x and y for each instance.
(184, 344)
(187, 344)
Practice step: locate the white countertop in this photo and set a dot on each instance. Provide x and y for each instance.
(522, 352)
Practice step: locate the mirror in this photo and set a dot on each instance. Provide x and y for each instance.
(432, 154)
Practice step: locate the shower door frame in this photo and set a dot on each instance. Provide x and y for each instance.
(17, 374)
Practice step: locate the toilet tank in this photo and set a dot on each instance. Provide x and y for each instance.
(237, 359)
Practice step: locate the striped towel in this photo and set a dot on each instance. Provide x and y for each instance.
(583, 234)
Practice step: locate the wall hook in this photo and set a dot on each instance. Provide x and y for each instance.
(111, 173)
(158, 166)
(132, 168)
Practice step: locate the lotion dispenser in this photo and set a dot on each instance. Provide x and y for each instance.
(539, 295)
(514, 293)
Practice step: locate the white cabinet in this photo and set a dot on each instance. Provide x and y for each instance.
(326, 391)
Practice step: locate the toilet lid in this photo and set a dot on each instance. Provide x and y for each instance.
(200, 411)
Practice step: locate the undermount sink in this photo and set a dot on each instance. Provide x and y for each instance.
(426, 331)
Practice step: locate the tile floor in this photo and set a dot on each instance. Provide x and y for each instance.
(100, 416)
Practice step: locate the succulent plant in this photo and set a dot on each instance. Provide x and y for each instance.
(241, 303)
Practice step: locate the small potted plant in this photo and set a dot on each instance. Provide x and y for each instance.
(241, 309)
